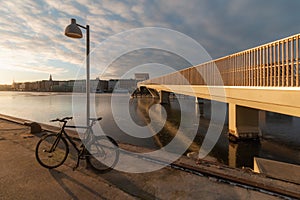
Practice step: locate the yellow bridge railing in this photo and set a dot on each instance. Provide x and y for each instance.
(273, 64)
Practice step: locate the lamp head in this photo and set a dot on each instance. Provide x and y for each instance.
(73, 30)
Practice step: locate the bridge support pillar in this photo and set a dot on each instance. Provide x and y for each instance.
(232, 153)
(164, 97)
(243, 122)
(153, 93)
(200, 103)
(262, 118)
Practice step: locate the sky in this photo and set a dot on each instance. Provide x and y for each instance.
(33, 44)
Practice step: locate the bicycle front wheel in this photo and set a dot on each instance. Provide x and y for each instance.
(51, 151)
(104, 154)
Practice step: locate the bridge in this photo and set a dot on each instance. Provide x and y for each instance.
(261, 78)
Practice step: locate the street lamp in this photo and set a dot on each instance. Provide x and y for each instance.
(74, 31)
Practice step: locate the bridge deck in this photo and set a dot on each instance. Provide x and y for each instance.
(283, 100)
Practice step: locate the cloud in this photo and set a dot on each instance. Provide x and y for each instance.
(34, 38)
(224, 27)
(152, 61)
(32, 31)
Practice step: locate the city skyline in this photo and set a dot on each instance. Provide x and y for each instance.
(96, 85)
(33, 44)
(53, 78)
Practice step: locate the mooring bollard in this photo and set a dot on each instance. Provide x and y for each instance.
(34, 127)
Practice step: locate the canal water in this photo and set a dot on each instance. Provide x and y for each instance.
(123, 116)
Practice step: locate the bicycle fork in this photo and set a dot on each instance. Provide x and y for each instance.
(81, 155)
(53, 147)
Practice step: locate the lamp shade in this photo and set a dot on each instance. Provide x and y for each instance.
(73, 30)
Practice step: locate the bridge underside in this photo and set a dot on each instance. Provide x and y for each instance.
(244, 102)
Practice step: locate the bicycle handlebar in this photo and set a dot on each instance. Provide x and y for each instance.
(96, 119)
(61, 120)
(69, 118)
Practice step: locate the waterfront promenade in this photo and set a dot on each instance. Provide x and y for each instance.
(21, 177)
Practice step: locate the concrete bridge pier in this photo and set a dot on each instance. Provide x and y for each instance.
(153, 93)
(164, 97)
(243, 122)
(200, 106)
(262, 118)
(232, 154)
(235, 149)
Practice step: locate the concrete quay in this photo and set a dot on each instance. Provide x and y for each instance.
(21, 177)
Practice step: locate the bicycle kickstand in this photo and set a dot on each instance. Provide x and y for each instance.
(77, 164)
(79, 157)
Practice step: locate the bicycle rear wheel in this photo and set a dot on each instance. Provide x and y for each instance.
(104, 154)
(51, 151)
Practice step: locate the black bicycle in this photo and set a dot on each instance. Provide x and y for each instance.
(100, 152)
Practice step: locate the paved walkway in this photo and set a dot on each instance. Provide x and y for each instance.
(21, 177)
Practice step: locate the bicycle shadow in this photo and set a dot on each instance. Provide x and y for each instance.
(120, 180)
(62, 179)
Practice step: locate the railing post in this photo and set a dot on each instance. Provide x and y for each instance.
(260, 67)
(282, 64)
(274, 65)
(278, 65)
(297, 61)
(287, 63)
(268, 75)
(292, 63)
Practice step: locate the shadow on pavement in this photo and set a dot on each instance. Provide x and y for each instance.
(125, 183)
(60, 177)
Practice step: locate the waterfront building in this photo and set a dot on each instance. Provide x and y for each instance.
(141, 76)
(122, 85)
(6, 87)
(96, 85)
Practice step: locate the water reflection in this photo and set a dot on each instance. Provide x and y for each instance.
(180, 127)
(242, 153)
(184, 118)
(279, 132)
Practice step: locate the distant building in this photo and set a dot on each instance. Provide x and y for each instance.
(141, 76)
(28, 86)
(122, 85)
(62, 86)
(6, 87)
(15, 86)
(129, 84)
(111, 84)
(43, 86)
(96, 86)
(102, 86)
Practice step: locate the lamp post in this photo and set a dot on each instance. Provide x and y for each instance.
(74, 31)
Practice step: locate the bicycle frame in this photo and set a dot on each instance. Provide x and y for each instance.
(63, 132)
